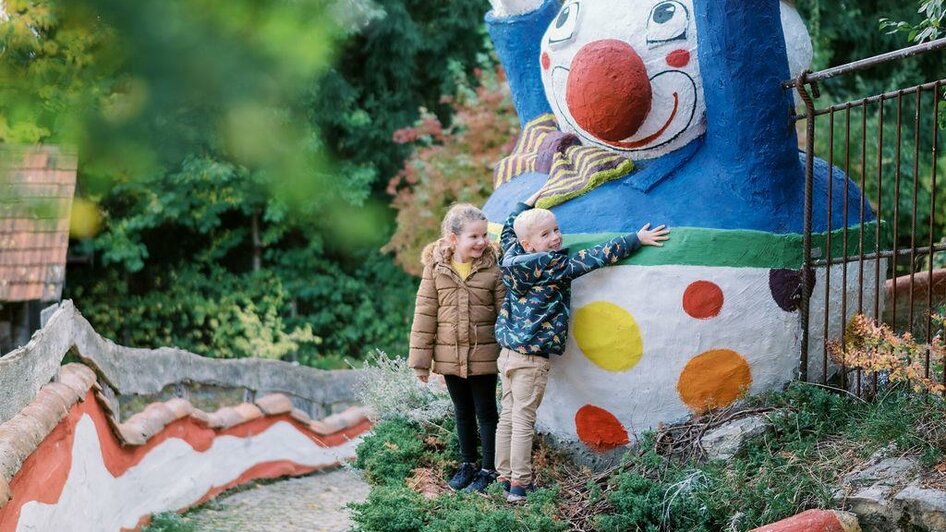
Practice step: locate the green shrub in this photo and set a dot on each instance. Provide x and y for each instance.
(463, 512)
(391, 508)
(209, 311)
(637, 502)
(168, 522)
(795, 466)
(391, 390)
(316, 318)
(396, 447)
(390, 452)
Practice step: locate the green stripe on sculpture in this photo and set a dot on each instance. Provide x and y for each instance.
(694, 246)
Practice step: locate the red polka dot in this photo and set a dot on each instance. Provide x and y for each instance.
(678, 58)
(599, 429)
(702, 300)
(546, 61)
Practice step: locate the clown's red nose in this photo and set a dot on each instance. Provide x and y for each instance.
(608, 93)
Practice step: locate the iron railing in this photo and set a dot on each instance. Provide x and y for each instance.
(878, 266)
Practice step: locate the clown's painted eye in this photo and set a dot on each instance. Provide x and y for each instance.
(668, 22)
(563, 28)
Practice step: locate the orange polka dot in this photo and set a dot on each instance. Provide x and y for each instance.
(713, 379)
(599, 429)
(703, 300)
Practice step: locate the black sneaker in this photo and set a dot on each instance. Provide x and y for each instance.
(519, 493)
(463, 476)
(482, 480)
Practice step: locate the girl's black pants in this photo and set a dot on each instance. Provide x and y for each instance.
(474, 403)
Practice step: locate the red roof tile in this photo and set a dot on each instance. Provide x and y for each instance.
(36, 188)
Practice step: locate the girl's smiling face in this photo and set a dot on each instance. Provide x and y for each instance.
(471, 242)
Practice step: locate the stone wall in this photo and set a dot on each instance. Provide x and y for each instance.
(103, 443)
(128, 372)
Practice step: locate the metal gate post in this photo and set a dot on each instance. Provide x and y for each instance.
(807, 275)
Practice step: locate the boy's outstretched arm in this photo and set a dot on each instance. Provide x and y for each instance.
(614, 250)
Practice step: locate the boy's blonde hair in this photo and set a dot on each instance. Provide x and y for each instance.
(525, 222)
(458, 216)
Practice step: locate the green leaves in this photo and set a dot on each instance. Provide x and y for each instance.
(210, 312)
(216, 138)
(449, 164)
(930, 27)
(139, 86)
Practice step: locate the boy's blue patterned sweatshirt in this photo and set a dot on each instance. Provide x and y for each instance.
(534, 316)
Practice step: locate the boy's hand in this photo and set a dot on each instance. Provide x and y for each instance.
(533, 198)
(653, 237)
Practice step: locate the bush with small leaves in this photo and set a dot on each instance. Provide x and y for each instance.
(168, 522)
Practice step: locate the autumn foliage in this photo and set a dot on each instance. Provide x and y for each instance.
(450, 164)
(874, 347)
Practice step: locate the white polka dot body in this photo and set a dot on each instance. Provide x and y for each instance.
(645, 393)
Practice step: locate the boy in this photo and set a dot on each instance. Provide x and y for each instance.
(533, 324)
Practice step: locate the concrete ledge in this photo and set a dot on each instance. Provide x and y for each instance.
(134, 371)
(919, 283)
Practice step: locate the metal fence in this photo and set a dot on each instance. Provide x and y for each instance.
(887, 268)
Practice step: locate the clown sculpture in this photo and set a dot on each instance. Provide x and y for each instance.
(665, 112)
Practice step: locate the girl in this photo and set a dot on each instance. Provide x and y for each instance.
(455, 315)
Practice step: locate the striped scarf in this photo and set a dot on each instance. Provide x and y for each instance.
(573, 169)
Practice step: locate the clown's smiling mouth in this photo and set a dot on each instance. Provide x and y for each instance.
(649, 138)
(631, 144)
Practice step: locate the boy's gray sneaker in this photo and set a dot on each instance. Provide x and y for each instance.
(481, 481)
(519, 493)
(463, 476)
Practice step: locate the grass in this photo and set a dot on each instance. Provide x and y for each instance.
(168, 522)
(815, 437)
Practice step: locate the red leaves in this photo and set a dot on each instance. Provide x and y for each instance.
(449, 164)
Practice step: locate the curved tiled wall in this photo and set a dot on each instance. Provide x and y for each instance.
(68, 462)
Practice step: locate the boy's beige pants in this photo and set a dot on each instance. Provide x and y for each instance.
(523, 379)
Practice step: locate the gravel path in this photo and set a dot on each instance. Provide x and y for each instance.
(313, 503)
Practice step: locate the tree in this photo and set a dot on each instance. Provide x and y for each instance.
(449, 164)
(239, 161)
(847, 31)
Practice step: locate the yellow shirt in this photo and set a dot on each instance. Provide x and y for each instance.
(462, 268)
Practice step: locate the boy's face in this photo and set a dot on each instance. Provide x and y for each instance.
(543, 236)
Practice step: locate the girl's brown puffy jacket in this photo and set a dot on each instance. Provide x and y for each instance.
(454, 320)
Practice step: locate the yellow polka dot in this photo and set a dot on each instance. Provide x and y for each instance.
(714, 379)
(608, 335)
